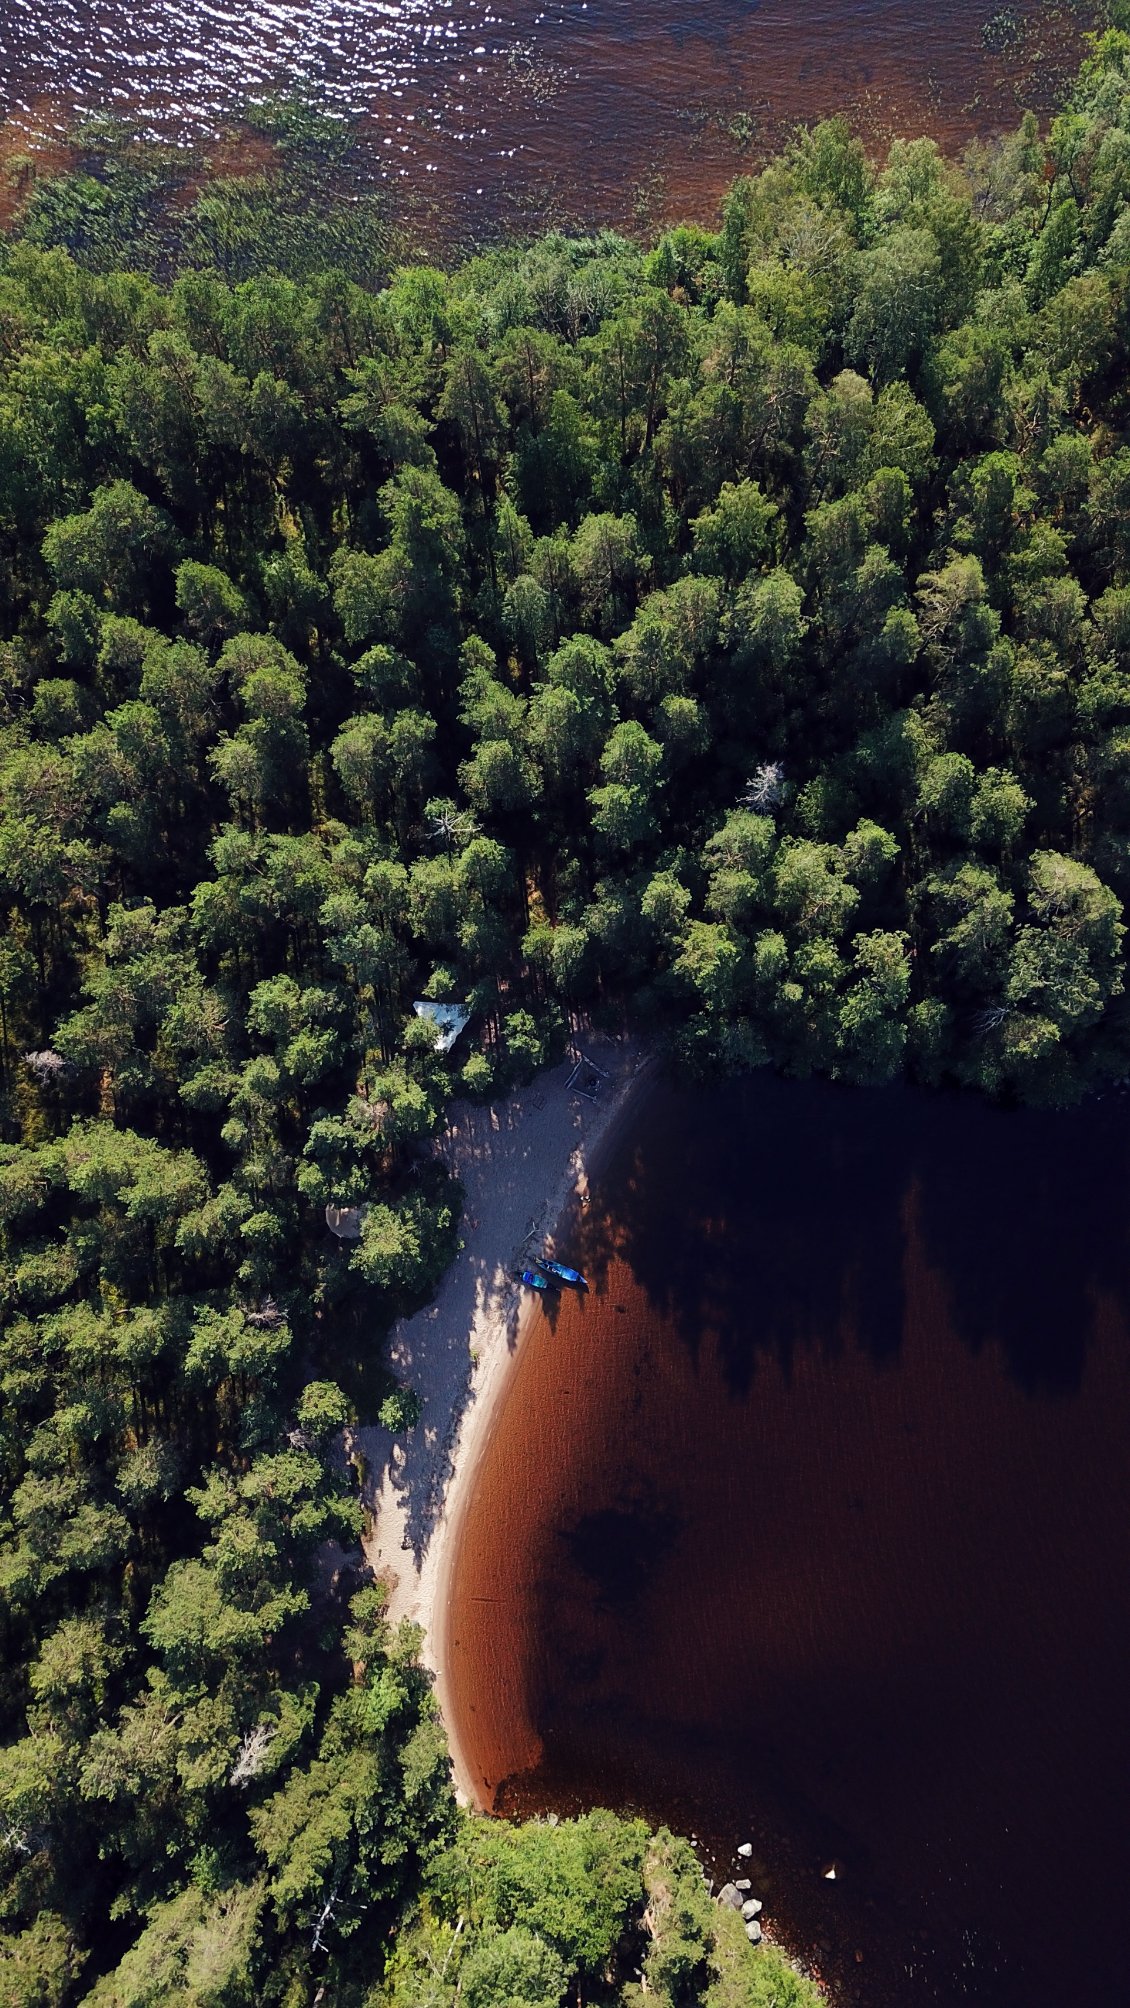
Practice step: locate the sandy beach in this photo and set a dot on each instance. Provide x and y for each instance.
(521, 1162)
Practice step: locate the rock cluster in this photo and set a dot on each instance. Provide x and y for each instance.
(735, 1895)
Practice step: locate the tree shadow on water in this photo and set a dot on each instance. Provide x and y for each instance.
(754, 1213)
(786, 1217)
(1024, 1215)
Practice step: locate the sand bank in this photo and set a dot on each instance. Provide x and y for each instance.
(520, 1162)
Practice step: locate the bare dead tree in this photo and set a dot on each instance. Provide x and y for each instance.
(765, 788)
(266, 1314)
(46, 1065)
(990, 1019)
(252, 1751)
(325, 1916)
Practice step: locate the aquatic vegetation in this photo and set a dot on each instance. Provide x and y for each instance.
(1003, 30)
(279, 191)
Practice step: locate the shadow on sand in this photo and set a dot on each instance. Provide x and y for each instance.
(514, 1160)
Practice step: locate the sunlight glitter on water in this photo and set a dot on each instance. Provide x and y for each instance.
(584, 112)
(183, 67)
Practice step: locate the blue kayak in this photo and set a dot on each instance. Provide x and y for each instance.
(533, 1281)
(565, 1275)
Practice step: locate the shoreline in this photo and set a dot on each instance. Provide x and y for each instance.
(539, 106)
(522, 1163)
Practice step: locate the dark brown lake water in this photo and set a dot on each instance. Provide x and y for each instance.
(811, 1526)
(576, 110)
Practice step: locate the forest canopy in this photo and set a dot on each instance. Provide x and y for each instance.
(730, 635)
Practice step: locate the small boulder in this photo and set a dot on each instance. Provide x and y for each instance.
(753, 1932)
(743, 1883)
(729, 1896)
(746, 1849)
(752, 1907)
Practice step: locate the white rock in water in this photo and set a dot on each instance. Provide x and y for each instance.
(753, 1932)
(752, 1907)
(746, 1848)
(743, 1883)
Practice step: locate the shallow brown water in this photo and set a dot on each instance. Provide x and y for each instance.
(582, 110)
(812, 1526)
